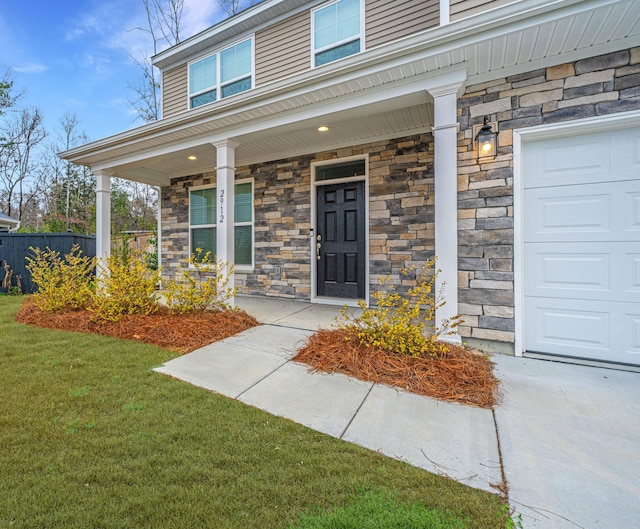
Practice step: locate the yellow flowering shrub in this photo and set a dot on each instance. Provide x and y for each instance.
(403, 323)
(202, 285)
(126, 286)
(63, 282)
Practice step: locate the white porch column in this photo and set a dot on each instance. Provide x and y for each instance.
(159, 226)
(225, 185)
(446, 197)
(103, 214)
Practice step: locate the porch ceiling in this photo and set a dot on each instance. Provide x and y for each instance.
(410, 114)
(378, 94)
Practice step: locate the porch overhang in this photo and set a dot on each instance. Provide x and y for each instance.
(378, 94)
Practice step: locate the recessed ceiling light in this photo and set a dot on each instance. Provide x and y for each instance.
(323, 128)
(192, 157)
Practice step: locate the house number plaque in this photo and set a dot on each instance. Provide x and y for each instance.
(221, 220)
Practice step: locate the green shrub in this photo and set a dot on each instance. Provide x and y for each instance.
(403, 323)
(62, 283)
(125, 286)
(200, 285)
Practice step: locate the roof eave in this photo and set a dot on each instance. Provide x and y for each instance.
(440, 39)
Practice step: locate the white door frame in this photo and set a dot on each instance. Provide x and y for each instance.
(314, 228)
(545, 132)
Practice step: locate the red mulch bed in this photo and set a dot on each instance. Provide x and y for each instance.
(178, 333)
(461, 375)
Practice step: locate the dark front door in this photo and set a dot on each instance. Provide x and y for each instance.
(340, 240)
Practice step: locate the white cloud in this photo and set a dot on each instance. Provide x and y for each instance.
(198, 15)
(86, 24)
(119, 25)
(100, 64)
(30, 67)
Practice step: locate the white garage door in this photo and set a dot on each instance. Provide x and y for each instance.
(582, 246)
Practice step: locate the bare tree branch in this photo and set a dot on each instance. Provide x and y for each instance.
(233, 7)
(19, 172)
(164, 18)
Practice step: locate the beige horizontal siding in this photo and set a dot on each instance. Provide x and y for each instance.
(174, 91)
(283, 49)
(386, 21)
(466, 8)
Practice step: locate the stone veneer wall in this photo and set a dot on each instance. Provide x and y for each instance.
(401, 212)
(596, 86)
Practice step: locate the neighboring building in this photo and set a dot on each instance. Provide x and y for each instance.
(542, 239)
(8, 224)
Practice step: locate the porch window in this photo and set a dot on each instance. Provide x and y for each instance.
(202, 215)
(336, 31)
(221, 74)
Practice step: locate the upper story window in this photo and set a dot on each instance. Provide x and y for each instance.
(336, 31)
(221, 74)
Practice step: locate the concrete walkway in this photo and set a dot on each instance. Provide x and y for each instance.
(569, 435)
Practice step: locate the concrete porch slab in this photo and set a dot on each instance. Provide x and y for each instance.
(444, 438)
(326, 403)
(289, 313)
(271, 339)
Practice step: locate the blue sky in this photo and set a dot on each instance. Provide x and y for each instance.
(74, 56)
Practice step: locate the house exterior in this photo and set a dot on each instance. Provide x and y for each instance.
(8, 223)
(322, 145)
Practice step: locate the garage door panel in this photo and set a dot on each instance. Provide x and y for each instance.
(584, 330)
(633, 272)
(630, 334)
(565, 216)
(569, 162)
(556, 272)
(589, 158)
(575, 270)
(568, 326)
(591, 212)
(632, 212)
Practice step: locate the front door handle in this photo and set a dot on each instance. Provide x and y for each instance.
(318, 246)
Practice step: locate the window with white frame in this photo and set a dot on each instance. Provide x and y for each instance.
(221, 74)
(336, 31)
(202, 221)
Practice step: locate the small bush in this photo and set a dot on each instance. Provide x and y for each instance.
(126, 286)
(63, 282)
(403, 324)
(202, 285)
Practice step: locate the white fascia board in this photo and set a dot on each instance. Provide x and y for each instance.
(537, 64)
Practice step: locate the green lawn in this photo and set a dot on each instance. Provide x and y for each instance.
(91, 437)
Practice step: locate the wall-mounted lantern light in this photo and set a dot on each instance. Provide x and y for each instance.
(487, 141)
